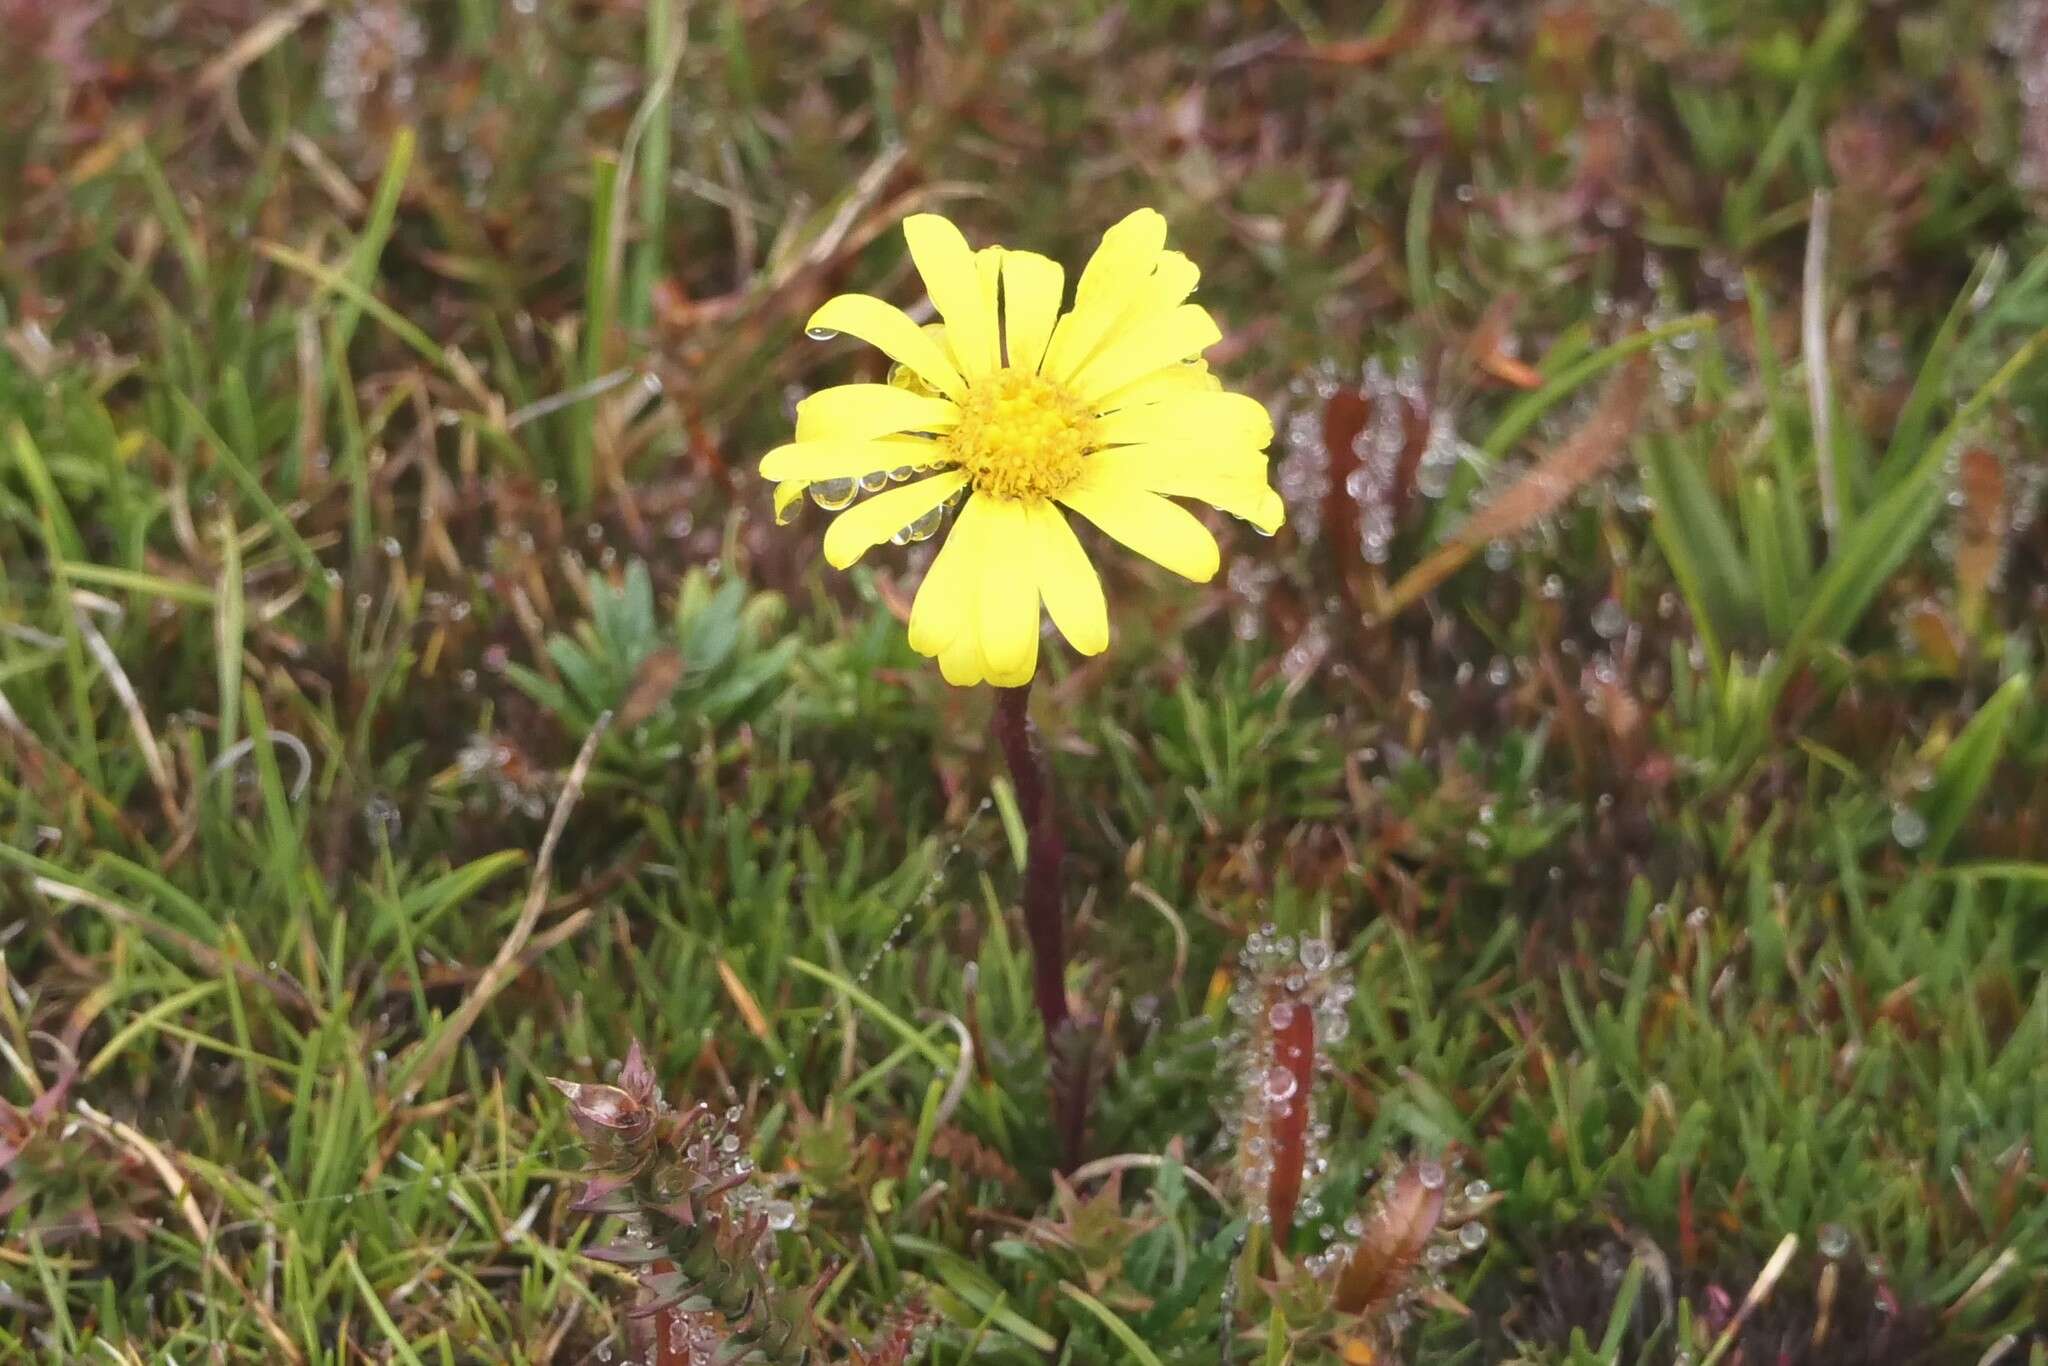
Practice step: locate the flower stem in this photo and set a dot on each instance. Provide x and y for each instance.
(1044, 916)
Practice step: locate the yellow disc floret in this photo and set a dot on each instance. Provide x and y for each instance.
(1020, 436)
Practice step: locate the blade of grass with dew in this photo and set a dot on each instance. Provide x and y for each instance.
(328, 277)
(967, 1281)
(600, 302)
(1894, 527)
(361, 269)
(896, 1024)
(1527, 410)
(653, 171)
(1967, 764)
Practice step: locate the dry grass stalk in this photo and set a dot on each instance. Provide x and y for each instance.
(1579, 459)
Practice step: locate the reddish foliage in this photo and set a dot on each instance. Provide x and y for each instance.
(1294, 1052)
(1344, 417)
(1394, 1241)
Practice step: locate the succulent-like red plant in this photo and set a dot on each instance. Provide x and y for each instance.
(1292, 1002)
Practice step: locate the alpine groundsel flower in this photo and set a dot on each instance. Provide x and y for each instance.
(1018, 415)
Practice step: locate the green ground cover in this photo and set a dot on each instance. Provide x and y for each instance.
(1637, 734)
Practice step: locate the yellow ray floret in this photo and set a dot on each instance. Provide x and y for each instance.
(1018, 414)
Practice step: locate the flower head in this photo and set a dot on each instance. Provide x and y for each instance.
(1017, 414)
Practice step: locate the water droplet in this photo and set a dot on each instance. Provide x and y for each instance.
(1833, 1242)
(1609, 619)
(1431, 1175)
(1278, 1086)
(382, 816)
(780, 1214)
(901, 474)
(1477, 1190)
(1472, 1237)
(1909, 827)
(1281, 1015)
(874, 482)
(820, 333)
(924, 528)
(833, 494)
(1315, 954)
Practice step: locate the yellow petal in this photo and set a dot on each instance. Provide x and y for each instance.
(1232, 480)
(1171, 283)
(890, 330)
(1164, 339)
(1162, 532)
(786, 495)
(1207, 418)
(1192, 378)
(960, 662)
(945, 601)
(1165, 288)
(1032, 286)
(810, 461)
(1008, 607)
(953, 280)
(1068, 582)
(988, 266)
(855, 412)
(1114, 276)
(874, 520)
(1128, 253)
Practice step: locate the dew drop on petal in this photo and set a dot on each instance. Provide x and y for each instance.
(833, 494)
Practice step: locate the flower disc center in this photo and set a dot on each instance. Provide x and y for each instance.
(1021, 436)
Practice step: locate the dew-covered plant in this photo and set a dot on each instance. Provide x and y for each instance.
(1357, 1294)
(1290, 1005)
(699, 1228)
(699, 1225)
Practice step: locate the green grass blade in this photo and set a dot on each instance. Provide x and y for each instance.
(1968, 763)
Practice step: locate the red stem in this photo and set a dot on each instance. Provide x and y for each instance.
(1044, 918)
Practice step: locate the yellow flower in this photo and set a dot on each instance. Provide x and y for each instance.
(1028, 414)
